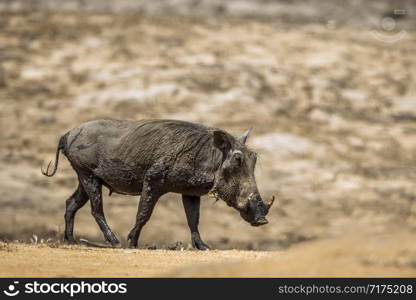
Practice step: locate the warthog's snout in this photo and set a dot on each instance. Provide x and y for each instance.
(259, 222)
(256, 212)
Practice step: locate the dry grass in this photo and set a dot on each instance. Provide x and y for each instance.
(8, 247)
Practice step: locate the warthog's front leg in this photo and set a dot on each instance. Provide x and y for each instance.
(150, 195)
(191, 205)
(93, 188)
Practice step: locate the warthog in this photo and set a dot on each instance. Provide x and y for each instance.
(151, 158)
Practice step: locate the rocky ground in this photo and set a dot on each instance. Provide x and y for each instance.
(332, 107)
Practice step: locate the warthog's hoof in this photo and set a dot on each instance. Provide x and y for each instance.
(200, 245)
(118, 245)
(111, 238)
(115, 243)
(132, 244)
(70, 241)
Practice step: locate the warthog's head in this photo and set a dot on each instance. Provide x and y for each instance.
(234, 180)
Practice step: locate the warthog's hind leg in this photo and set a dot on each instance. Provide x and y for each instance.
(73, 204)
(191, 205)
(93, 187)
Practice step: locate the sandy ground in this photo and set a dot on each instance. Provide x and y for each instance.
(79, 261)
(353, 256)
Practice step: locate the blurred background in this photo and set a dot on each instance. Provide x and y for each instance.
(328, 86)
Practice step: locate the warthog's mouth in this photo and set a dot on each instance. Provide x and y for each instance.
(259, 222)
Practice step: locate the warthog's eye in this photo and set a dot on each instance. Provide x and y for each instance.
(238, 158)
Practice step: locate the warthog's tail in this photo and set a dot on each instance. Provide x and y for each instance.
(98, 245)
(61, 146)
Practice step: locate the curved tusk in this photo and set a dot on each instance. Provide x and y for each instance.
(270, 203)
(241, 205)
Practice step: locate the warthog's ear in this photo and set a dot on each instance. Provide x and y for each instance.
(221, 140)
(243, 138)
